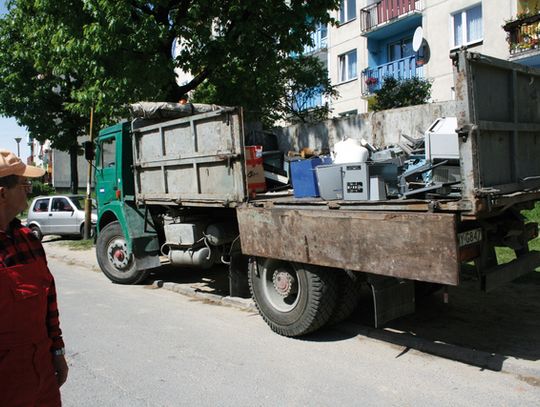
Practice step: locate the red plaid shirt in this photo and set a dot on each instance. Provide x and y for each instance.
(20, 246)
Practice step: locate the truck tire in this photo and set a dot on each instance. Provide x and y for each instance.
(113, 259)
(350, 284)
(293, 299)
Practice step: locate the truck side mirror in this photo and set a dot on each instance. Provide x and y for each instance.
(89, 150)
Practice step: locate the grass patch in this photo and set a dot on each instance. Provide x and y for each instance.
(505, 254)
(79, 244)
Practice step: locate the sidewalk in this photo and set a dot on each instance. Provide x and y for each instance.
(208, 285)
(484, 330)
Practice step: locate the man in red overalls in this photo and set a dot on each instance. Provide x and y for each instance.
(32, 362)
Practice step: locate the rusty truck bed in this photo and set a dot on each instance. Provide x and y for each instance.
(418, 245)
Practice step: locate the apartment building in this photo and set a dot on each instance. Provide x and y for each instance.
(374, 39)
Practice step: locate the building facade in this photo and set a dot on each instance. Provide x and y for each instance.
(413, 38)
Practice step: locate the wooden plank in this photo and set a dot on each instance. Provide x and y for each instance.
(406, 245)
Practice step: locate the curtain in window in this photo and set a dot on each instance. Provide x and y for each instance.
(353, 70)
(342, 69)
(474, 24)
(342, 11)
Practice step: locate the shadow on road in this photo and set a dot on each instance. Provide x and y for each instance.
(487, 328)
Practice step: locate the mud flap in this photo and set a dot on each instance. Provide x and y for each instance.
(238, 276)
(392, 297)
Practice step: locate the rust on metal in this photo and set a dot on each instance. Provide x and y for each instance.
(421, 246)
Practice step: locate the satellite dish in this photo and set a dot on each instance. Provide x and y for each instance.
(418, 38)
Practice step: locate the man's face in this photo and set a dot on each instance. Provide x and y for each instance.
(15, 198)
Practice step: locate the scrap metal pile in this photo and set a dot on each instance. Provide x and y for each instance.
(415, 168)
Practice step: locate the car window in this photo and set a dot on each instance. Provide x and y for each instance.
(61, 205)
(78, 201)
(41, 205)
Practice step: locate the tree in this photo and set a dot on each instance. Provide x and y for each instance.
(117, 52)
(32, 93)
(402, 92)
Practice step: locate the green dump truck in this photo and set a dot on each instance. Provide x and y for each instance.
(179, 188)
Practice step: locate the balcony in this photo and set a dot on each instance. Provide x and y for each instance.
(378, 15)
(523, 36)
(319, 40)
(404, 68)
(308, 100)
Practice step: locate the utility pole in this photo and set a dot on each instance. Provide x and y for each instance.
(18, 140)
(88, 200)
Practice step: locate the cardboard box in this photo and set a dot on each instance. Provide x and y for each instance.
(254, 170)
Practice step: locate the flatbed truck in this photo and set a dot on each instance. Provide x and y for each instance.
(178, 188)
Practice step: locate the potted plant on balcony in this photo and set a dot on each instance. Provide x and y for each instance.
(371, 81)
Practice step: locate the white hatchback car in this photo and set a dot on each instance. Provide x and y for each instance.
(59, 215)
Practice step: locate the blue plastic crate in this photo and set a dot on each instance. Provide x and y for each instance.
(304, 179)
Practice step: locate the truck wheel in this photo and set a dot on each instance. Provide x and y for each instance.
(350, 284)
(113, 258)
(293, 299)
(36, 231)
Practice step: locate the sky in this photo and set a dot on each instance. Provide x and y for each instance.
(9, 129)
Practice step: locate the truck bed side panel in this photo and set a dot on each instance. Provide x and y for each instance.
(406, 245)
(196, 158)
(498, 110)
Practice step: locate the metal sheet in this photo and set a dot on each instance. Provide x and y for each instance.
(420, 246)
(498, 111)
(199, 157)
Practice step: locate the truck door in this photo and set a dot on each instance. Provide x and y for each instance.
(106, 176)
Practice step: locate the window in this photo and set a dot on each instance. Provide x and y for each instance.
(108, 152)
(400, 49)
(347, 10)
(347, 66)
(41, 205)
(467, 26)
(349, 113)
(61, 205)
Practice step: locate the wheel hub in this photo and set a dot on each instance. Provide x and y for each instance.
(283, 282)
(118, 254)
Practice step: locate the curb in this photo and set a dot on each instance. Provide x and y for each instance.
(244, 304)
(473, 357)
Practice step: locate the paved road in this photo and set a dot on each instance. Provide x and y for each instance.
(137, 346)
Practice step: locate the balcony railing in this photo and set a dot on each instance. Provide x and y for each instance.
(319, 39)
(385, 11)
(404, 68)
(308, 100)
(523, 35)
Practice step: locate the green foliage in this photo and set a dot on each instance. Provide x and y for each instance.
(371, 101)
(505, 254)
(40, 188)
(59, 58)
(79, 244)
(403, 92)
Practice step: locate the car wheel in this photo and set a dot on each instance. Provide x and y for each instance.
(36, 231)
(92, 232)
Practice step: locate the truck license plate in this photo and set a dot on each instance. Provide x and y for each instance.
(470, 237)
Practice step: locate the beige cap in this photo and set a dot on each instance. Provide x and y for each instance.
(10, 164)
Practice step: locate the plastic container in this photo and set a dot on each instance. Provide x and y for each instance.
(350, 151)
(303, 176)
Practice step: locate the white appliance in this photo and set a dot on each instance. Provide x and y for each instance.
(441, 140)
